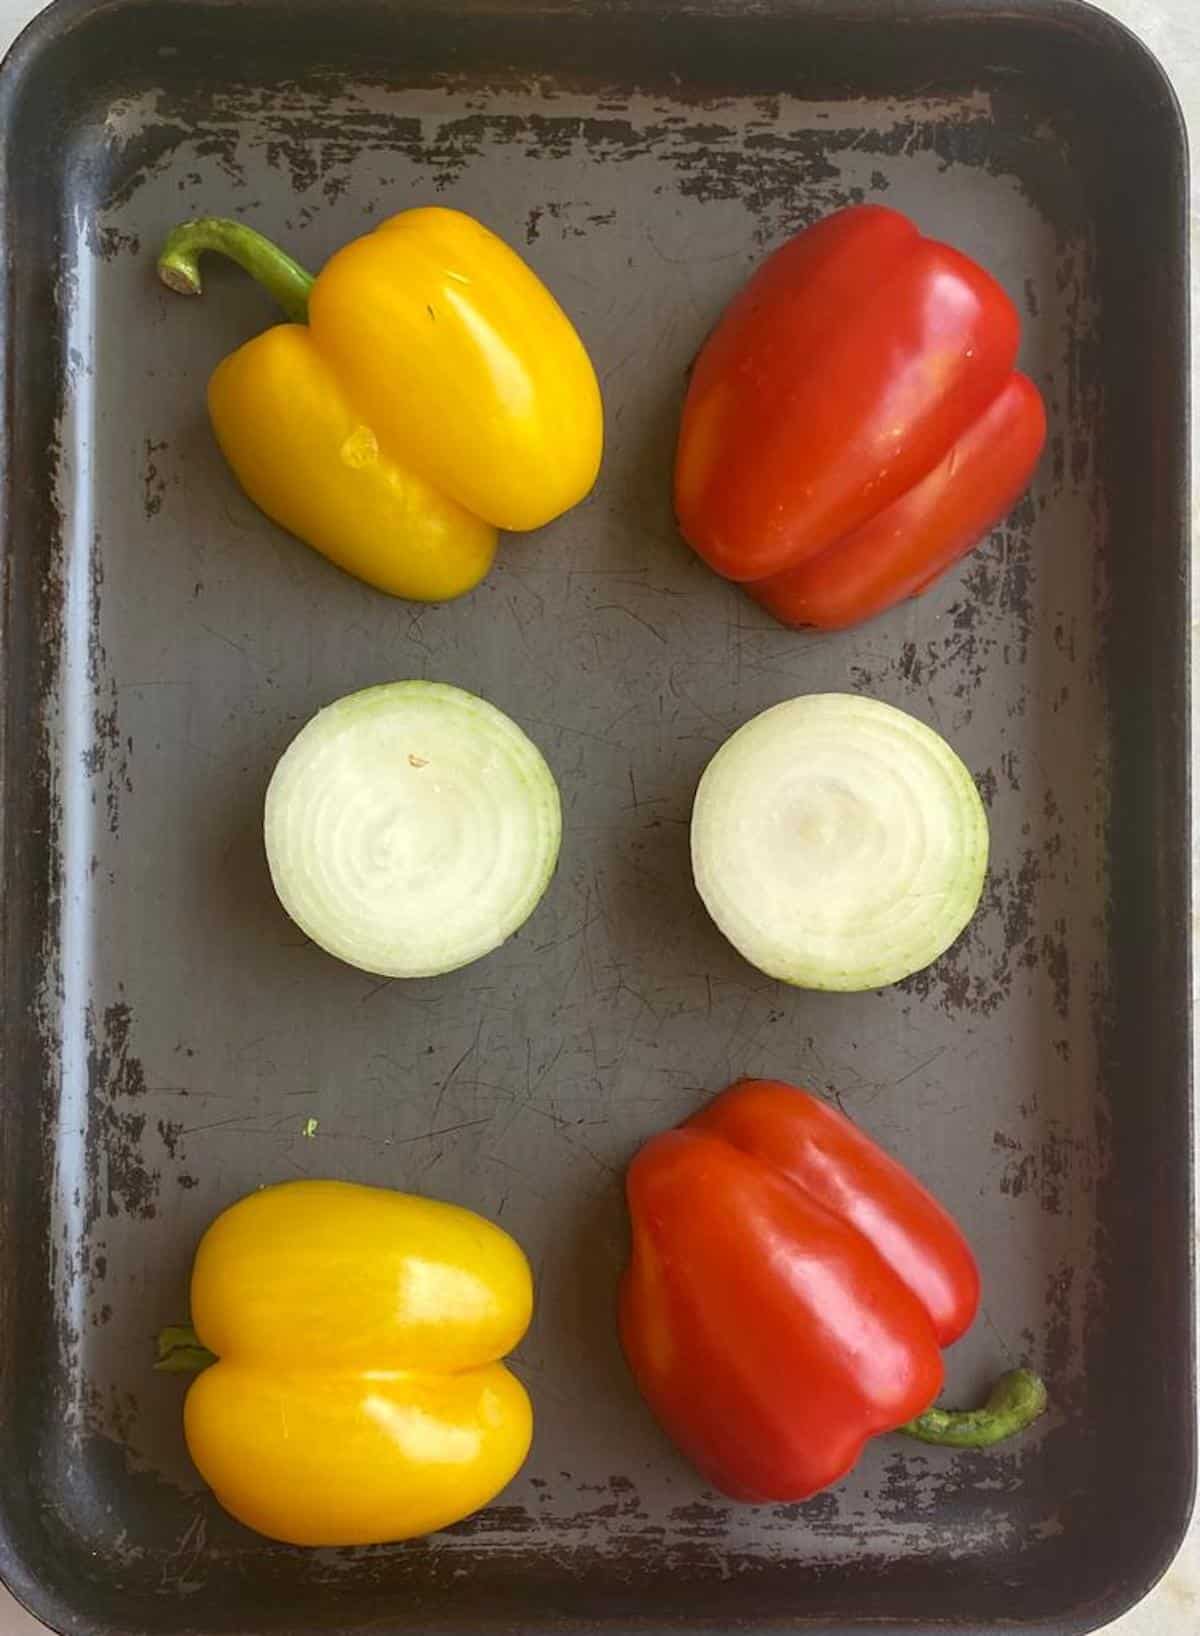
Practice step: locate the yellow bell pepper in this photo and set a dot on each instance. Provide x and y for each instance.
(350, 1340)
(428, 392)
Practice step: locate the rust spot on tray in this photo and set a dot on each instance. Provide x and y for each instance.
(154, 485)
(106, 754)
(119, 1180)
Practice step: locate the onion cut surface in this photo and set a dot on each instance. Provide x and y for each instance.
(838, 842)
(411, 828)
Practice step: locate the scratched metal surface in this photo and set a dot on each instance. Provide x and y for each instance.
(190, 1033)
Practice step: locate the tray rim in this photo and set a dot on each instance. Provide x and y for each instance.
(43, 32)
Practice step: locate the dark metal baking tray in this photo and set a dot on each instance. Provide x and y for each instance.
(167, 1032)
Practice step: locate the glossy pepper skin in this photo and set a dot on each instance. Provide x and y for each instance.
(855, 423)
(429, 392)
(789, 1292)
(358, 1395)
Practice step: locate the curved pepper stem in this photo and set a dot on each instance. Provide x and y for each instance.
(180, 1352)
(1016, 1401)
(273, 268)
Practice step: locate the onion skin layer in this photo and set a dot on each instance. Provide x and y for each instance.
(838, 843)
(411, 828)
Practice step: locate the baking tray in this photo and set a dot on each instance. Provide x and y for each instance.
(168, 1033)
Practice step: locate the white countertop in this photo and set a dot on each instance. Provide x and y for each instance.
(1171, 28)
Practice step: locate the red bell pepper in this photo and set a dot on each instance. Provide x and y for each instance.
(854, 423)
(790, 1290)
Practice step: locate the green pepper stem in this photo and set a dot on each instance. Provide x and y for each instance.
(283, 279)
(1015, 1402)
(180, 1352)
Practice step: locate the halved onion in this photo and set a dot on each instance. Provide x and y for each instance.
(838, 842)
(411, 828)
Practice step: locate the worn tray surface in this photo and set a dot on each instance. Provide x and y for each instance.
(170, 1033)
